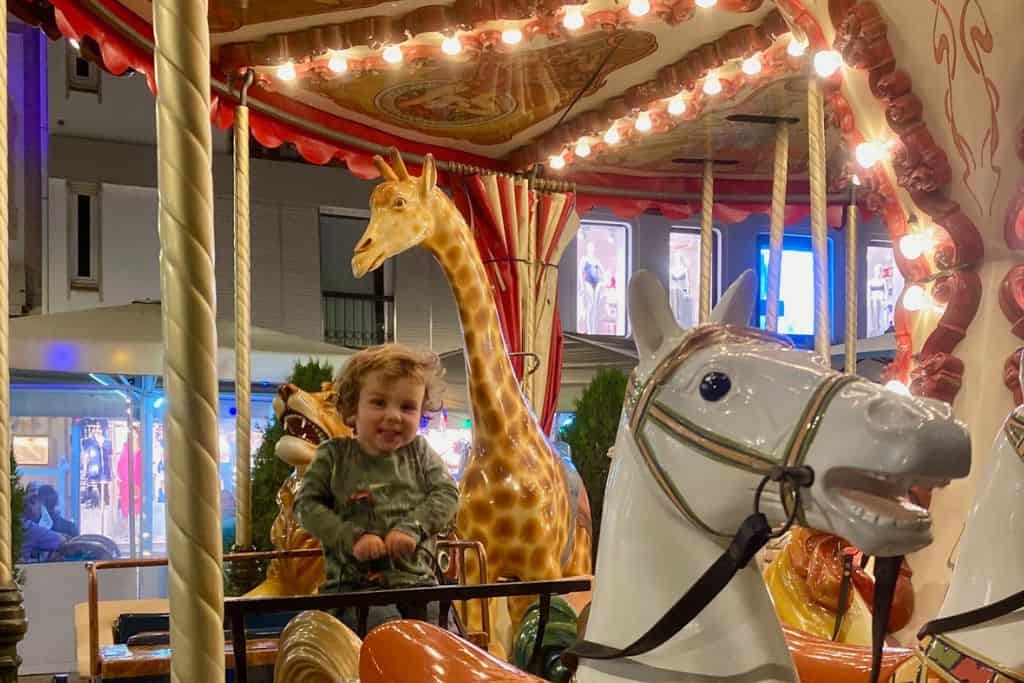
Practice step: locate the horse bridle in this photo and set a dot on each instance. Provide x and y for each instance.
(643, 406)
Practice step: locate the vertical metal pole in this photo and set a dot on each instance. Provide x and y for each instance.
(778, 225)
(12, 616)
(819, 219)
(187, 284)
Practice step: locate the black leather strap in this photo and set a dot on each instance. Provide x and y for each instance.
(844, 594)
(753, 534)
(981, 615)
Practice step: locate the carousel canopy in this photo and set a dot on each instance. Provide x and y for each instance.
(128, 340)
(605, 93)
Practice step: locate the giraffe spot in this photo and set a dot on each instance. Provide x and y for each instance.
(482, 319)
(504, 528)
(530, 532)
(453, 253)
(498, 470)
(539, 558)
(504, 498)
(473, 480)
(529, 496)
(464, 273)
(516, 556)
(527, 462)
(480, 511)
(494, 556)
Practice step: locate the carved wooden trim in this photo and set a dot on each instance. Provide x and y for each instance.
(922, 169)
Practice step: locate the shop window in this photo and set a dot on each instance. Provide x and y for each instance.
(602, 274)
(82, 75)
(883, 284)
(684, 272)
(83, 236)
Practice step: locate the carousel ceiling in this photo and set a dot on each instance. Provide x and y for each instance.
(641, 87)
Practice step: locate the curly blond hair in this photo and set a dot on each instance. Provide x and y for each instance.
(395, 361)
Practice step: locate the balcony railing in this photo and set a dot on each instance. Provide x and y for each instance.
(357, 320)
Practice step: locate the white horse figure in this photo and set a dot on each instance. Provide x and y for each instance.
(990, 568)
(709, 412)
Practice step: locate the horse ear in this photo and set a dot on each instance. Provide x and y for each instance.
(737, 304)
(428, 178)
(649, 313)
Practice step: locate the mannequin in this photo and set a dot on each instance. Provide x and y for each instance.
(877, 303)
(592, 281)
(679, 291)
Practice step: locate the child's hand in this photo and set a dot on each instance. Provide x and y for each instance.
(399, 543)
(369, 547)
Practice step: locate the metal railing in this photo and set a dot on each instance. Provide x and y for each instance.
(357, 320)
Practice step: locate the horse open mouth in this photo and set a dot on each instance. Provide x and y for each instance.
(882, 499)
(303, 428)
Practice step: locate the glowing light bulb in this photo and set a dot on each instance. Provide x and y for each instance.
(286, 72)
(557, 162)
(914, 298)
(392, 54)
(870, 153)
(582, 149)
(337, 63)
(914, 245)
(796, 47)
(639, 8)
(511, 36)
(74, 43)
(706, 4)
(677, 106)
(752, 65)
(827, 62)
(643, 122)
(451, 46)
(712, 85)
(897, 387)
(573, 18)
(612, 136)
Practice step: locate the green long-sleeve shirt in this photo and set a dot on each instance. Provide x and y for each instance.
(346, 493)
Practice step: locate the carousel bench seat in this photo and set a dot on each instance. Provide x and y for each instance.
(152, 663)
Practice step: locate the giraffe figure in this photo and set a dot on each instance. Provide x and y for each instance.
(514, 493)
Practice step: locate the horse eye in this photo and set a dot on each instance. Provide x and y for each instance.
(399, 203)
(714, 386)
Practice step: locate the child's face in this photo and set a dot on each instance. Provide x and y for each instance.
(388, 413)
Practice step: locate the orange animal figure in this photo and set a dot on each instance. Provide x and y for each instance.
(416, 652)
(515, 495)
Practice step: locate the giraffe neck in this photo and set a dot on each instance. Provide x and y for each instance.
(495, 396)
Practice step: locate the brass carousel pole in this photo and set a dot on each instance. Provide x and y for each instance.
(778, 225)
(242, 576)
(707, 205)
(819, 219)
(195, 581)
(12, 615)
(851, 282)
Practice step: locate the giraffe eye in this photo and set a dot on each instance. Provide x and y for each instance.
(399, 203)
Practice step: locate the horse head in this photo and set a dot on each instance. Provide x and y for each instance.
(745, 403)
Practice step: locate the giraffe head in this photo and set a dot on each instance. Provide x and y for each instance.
(402, 214)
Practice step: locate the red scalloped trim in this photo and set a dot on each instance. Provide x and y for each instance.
(922, 169)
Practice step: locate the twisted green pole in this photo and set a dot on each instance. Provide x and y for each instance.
(195, 581)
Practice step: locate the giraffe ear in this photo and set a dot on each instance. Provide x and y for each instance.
(386, 172)
(398, 164)
(428, 179)
(649, 312)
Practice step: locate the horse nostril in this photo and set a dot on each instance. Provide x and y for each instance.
(364, 245)
(894, 414)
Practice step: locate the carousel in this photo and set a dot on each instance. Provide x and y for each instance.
(767, 517)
